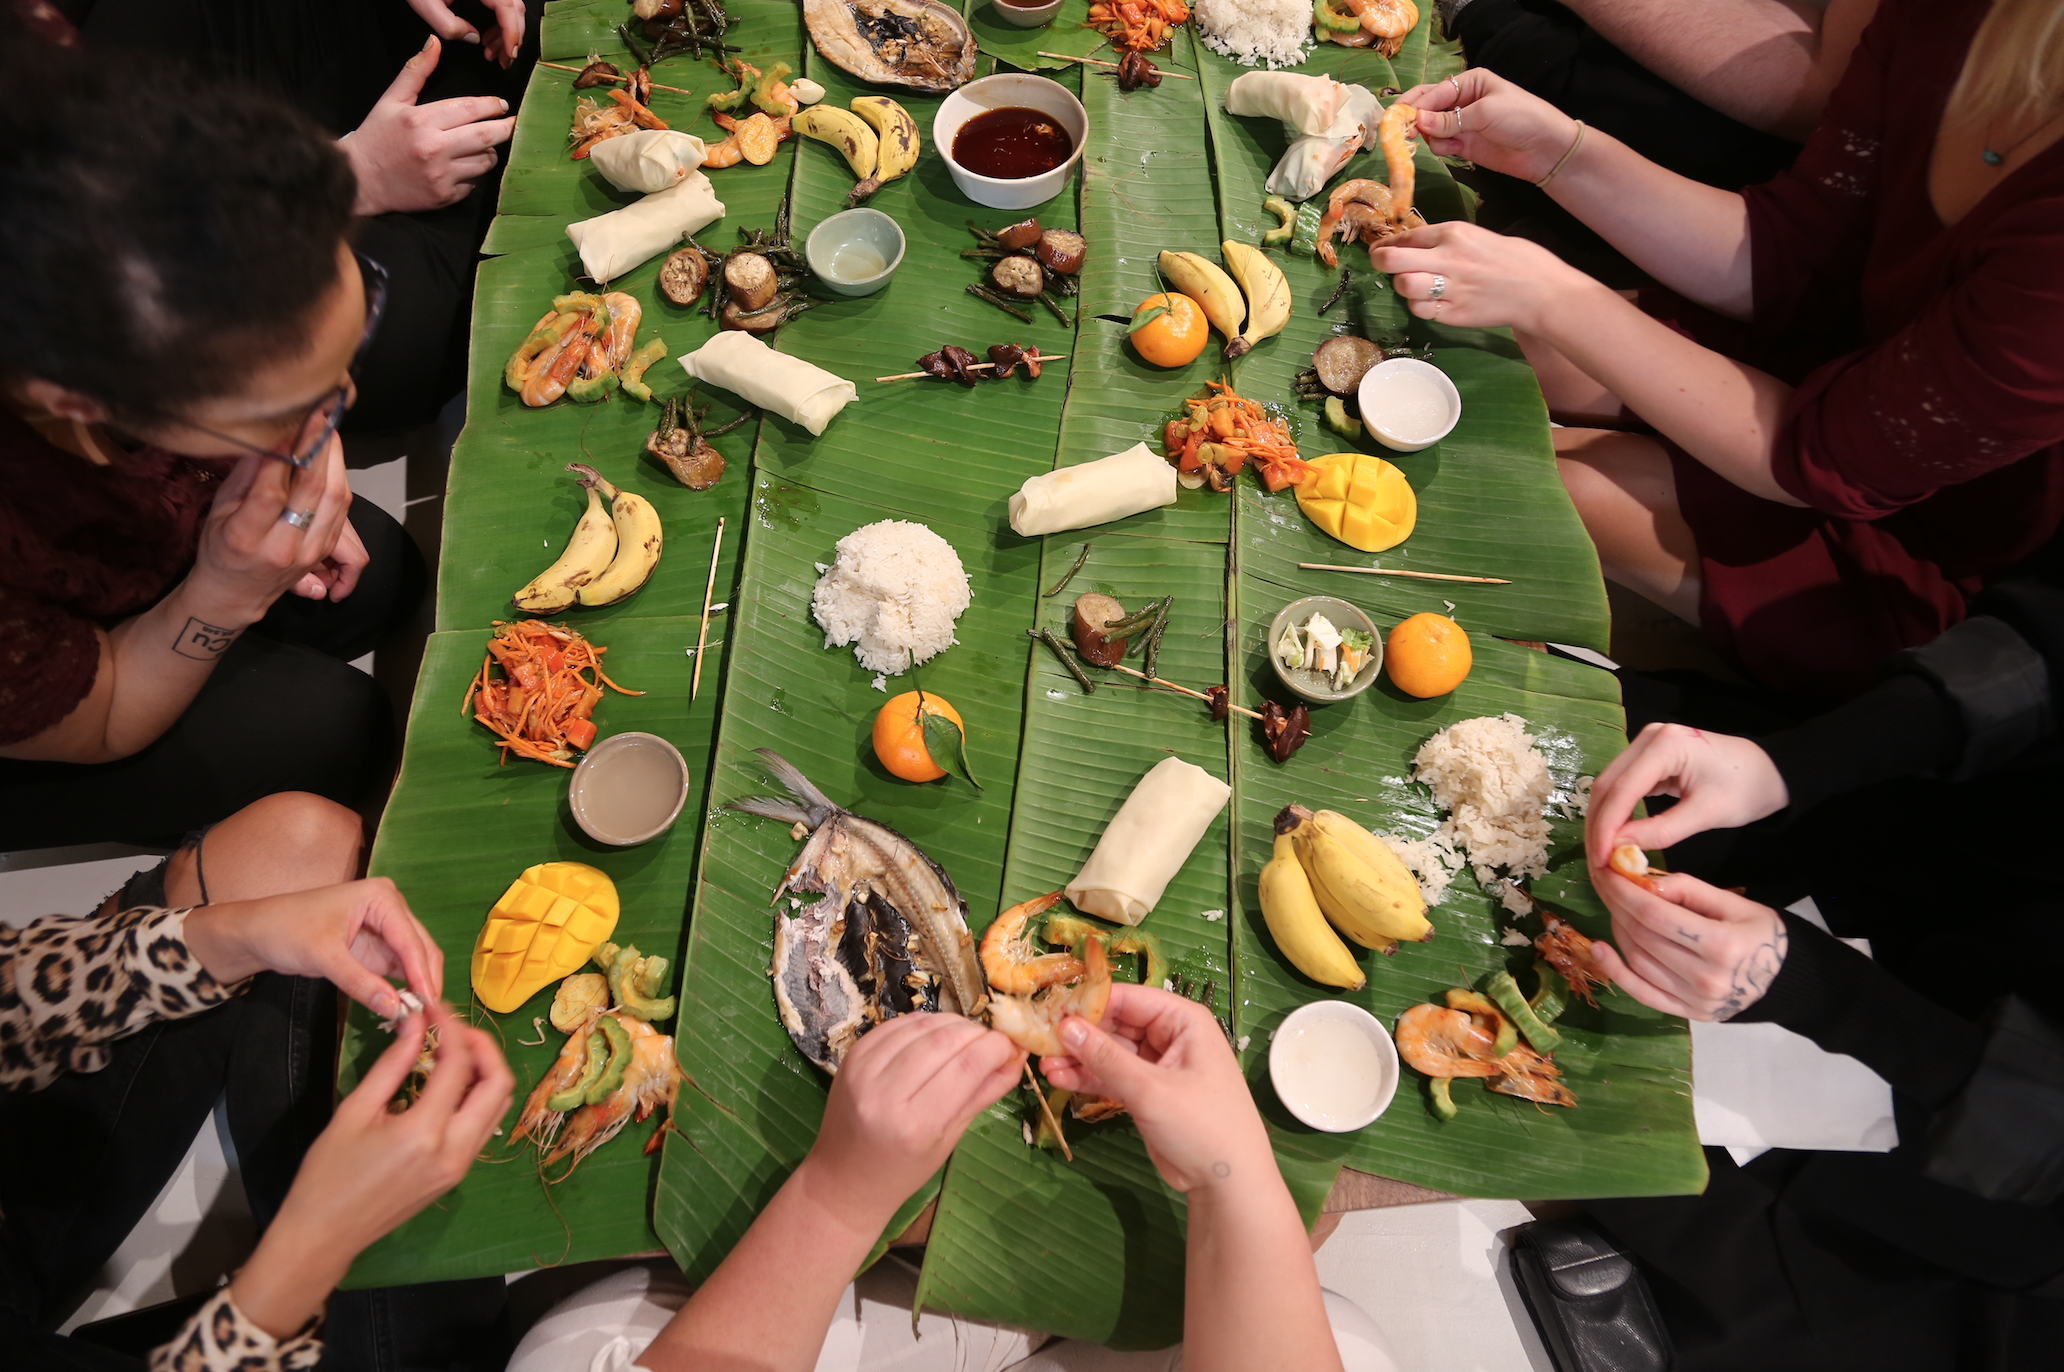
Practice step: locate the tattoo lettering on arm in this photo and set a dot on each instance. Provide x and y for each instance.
(202, 641)
(1754, 973)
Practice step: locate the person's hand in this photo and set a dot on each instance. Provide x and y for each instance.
(1167, 1059)
(1490, 281)
(903, 1097)
(354, 935)
(370, 1170)
(250, 555)
(1721, 782)
(423, 157)
(498, 44)
(1689, 948)
(1481, 116)
(336, 576)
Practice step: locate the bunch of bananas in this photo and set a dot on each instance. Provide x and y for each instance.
(877, 137)
(611, 554)
(1329, 873)
(1260, 301)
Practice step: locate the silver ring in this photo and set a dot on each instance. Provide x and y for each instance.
(1455, 81)
(1440, 287)
(300, 519)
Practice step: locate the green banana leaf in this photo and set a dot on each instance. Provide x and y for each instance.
(1067, 32)
(457, 831)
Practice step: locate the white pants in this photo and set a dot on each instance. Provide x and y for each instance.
(605, 1326)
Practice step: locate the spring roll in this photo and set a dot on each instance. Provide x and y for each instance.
(1148, 841)
(1096, 492)
(614, 243)
(648, 160)
(1306, 104)
(788, 386)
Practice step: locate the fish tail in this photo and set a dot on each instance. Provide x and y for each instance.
(766, 807)
(799, 786)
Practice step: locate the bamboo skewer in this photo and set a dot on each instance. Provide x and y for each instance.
(1163, 681)
(972, 366)
(1099, 62)
(1047, 1111)
(702, 638)
(1393, 571)
(561, 66)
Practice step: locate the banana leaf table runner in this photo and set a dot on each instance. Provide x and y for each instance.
(1091, 1250)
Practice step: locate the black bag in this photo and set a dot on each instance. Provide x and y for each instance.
(1587, 1298)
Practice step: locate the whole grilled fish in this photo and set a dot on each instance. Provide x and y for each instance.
(889, 935)
(921, 44)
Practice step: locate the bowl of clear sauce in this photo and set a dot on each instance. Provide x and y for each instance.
(1408, 404)
(1333, 1066)
(855, 252)
(629, 789)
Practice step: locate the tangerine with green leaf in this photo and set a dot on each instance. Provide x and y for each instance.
(1173, 338)
(899, 735)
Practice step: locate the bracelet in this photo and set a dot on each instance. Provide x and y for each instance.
(1578, 142)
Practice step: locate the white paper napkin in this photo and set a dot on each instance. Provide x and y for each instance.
(1761, 1086)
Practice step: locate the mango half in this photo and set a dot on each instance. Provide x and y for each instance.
(1361, 500)
(545, 926)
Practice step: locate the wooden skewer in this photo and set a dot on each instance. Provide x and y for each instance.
(1047, 1111)
(1163, 681)
(972, 366)
(1099, 62)
(709, 591)
(1392, 571)
(561, 66)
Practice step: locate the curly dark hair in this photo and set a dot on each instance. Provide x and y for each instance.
(160, 233)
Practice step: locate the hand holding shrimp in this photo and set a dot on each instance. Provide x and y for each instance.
(1486, 280)
(1483, 117)
(1721, 782)
(1688, 948)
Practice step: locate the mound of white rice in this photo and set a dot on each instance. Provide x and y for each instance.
(1494, 784)
(893, 593)
(1272, 33)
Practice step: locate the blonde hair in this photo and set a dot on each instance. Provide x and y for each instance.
(2016, 61)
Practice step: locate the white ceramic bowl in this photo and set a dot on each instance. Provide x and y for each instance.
(593, 772)
(1283, 1073)
(852, 227)
(1001, 91)
(1370, 399)
(1344, 616)
(1026, 16)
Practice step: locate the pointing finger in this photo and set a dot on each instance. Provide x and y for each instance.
(462, 110)
(408, 83)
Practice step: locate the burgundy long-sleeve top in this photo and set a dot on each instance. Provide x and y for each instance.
(1926, 433)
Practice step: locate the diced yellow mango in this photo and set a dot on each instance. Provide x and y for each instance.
(1361, 500)
(545, 926)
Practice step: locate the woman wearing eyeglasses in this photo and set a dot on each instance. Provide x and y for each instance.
(184, 574)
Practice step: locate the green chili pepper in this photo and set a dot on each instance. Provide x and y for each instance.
(1504, 990)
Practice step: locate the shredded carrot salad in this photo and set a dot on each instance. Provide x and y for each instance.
(1138, 25)
(1222, 432)
(540, 706)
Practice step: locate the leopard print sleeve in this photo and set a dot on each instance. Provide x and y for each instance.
(219, 1339)
(69, 987)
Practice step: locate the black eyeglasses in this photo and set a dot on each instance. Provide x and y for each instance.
(332, 407)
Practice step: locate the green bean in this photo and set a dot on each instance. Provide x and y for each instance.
(982, 293)
(1079, 561)
(1154, 636)
(1047, 637)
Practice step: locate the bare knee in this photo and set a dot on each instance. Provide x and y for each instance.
(320, 835)
(290, 841)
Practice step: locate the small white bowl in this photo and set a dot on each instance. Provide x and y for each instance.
(848, 228)
(1294, 1078)
(1026, 16)
(1004, 90)
(1370, 398)
(593, 775)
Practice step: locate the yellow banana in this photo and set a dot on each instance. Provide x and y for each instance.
(1267, 290)
(1390, 868)
(897, 137)
(587, 555)
(1200, 279)
(1299, 927)
(637, 541)
(844, 130)
(1353, 895)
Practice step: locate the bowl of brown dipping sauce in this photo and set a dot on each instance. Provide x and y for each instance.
(1027, 16)
(629, 789)
(1010, 140)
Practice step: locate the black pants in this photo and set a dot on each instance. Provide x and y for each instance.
(283, 712)
(333, 60)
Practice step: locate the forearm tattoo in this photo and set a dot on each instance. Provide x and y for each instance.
(202, 641)
(1754, 973)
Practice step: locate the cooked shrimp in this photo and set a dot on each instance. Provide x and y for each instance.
(540, 1121)
(1386, 18)
(624, 315)
(1569, 953)
(651, 1079)
(1394, 136)
(1445, 1043)
(1530, 1076)
(1630, 862)
(1011, 961)
(1034, 1022)
(729, 153)
(1373, 194)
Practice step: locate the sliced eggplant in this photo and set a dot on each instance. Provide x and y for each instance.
(683, 276)
(1018, 276)
(751, 279)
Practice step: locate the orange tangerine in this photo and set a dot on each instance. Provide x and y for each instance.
(1174, 339)
(899, 736)
(1427, 655)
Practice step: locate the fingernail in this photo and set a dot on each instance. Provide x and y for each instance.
(505, 107)
(430, 42)
(472, 38)
(1074, 1033)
